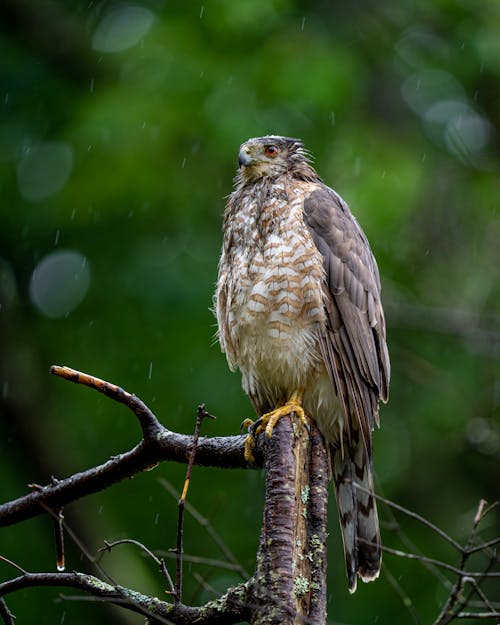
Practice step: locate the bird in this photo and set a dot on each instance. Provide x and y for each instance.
(299, 313)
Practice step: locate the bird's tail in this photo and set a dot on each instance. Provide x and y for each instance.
(353, 479)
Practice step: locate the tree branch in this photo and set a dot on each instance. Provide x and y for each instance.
(149, 423)
(289, 586)
(158, 445)
(229, 609)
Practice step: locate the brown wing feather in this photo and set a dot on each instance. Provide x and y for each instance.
(353, 345)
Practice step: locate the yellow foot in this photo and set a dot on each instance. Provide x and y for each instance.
(245, 424)
(268, 422)
(249, 441)
(249, 447)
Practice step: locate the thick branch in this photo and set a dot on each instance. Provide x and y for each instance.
(229, 609)
(290, 580)
(158, 445)
(225, 452)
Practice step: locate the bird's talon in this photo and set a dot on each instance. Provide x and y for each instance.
(249, 447)
(246, 424)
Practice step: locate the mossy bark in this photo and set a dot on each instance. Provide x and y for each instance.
(289, 585)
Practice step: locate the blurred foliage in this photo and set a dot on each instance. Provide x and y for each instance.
(119, 129)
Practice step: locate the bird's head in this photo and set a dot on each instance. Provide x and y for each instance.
(271, 156)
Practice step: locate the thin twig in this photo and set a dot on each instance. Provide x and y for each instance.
(159, 561)
(478, 615)
(59, 538)
(415, 516)
(205, 585)
(211, 531)
(477, 589)
(456, 601)
(412, 548)
(405, 599)
(201, 414)
(495, 605)
(220, 564)
(11, 563)
(81, 546)
(119, 601)
(484, 546)
(444, 565)
(5, 613)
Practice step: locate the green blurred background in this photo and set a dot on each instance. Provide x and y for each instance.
(119, 132)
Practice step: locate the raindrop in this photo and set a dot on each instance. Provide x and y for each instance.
(332, 118)
(91, 89)
(357, 166)
(122, 28)
(303, 23)
(56, 238)
(183, 163)
(59, 283)
(150, 372)
(157, 518)
(44, 170)
(202, 10)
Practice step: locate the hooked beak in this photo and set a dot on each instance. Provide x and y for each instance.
(244, 158)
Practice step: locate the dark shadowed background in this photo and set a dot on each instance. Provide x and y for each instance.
(119, 131)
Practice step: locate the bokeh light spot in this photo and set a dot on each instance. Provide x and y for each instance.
(467, 134)
(122, 28)
(44, 170)
(59, 283)
(428, 86)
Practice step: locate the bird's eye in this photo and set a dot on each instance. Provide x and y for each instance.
(271, 150)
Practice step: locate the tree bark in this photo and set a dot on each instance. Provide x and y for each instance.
(289, 586)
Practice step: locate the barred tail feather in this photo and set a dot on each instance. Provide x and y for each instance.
(358, 517)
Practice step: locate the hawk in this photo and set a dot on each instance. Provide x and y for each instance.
(299, 313)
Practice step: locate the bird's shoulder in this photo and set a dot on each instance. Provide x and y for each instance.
(338, 234)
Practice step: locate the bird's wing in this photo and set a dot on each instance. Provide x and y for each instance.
(353, 343)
